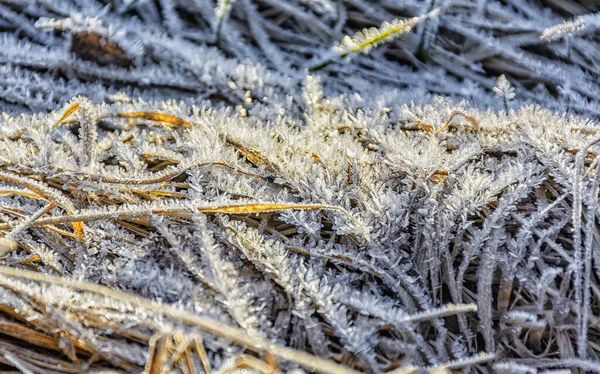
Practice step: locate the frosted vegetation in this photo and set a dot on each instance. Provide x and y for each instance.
(273, 186)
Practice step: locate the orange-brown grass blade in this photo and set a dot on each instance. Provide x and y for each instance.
(23, 192)
(79, 230)
(439, 176)
(265, 208)
(133, 228)
(167, 194)
(201, 352)
(159, 354)
(185, 354)
(250, 362)
(31, 259)
(23, 333)
(272, 363)
(252, 155)
(156, 117)
(70, 110)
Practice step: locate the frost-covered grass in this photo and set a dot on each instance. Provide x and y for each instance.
(198, 186)
(377, 236)
(231, 51)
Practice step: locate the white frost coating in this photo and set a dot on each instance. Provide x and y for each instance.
(414, 206)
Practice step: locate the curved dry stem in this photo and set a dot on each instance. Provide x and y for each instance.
(472, 120)
(185, 211)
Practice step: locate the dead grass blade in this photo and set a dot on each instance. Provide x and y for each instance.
(70, 110)
(176, 210)
(156, 117)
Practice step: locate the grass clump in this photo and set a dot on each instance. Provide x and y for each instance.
(173, 238)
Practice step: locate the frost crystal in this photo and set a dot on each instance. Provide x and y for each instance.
(587, 23)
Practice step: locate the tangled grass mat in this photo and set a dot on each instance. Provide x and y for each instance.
(159, 237)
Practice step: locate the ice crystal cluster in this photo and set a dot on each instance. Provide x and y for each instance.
(198, 186)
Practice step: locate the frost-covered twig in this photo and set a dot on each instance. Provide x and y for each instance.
(586, 23)
(367, 39)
